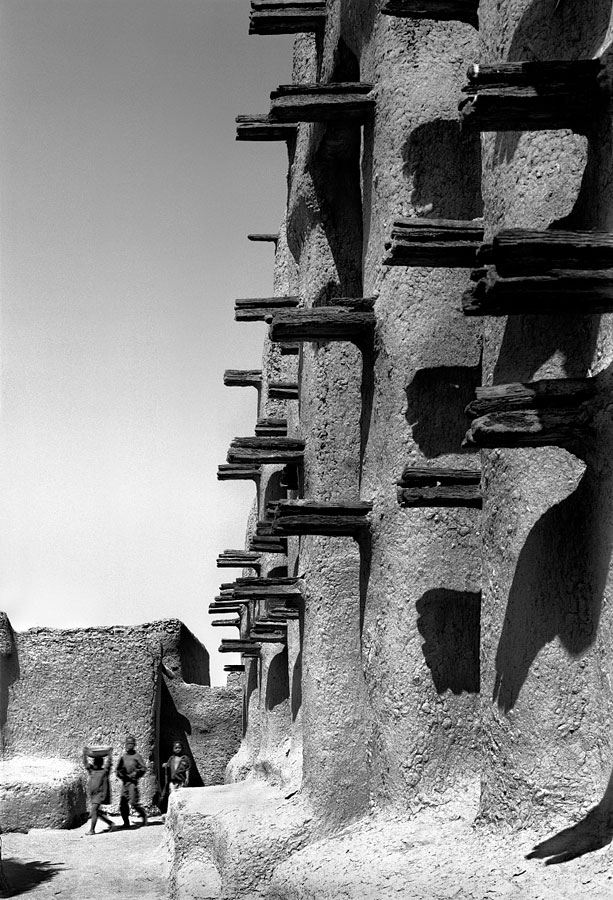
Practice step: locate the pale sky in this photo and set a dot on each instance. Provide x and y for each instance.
(125, 203)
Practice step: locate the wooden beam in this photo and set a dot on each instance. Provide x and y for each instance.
(561, 293)
(439, 487)
(532, 96)
(238, 559)
(237, 472)
(233, 668)
(215, 608)
(264, 238)
(315, 102)
(268, 588)
(247, 648)
(263, 128)
(554, 412)
(520, 251)
(323, 323)
(330, 518)
(434, 242)
(243, 378)
(269, 427)
(226, 623)
(268, 637)
(261, 309)
(439, 10)
(283, 390)
(268, 545)
(287, 16)
(272, 450)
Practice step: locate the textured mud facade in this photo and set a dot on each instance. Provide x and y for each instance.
(62, 689)
(444, 701)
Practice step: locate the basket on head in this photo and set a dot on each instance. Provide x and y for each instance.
(97, 752)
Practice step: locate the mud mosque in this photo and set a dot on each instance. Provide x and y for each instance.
(423, 603)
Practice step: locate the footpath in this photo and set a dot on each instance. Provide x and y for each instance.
(66, 865)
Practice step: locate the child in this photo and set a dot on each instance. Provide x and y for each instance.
(98, 786)
(178, 766)
(130, 769)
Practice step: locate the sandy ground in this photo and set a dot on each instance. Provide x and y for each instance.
(118, 865)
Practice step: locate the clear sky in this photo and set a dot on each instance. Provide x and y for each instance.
(125, 203)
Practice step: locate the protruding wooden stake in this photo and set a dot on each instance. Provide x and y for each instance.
(234, 668)
(261, 309)
(215, 608)
(325, 518)
(317, 102)
(439, 487)
(263, 128)
(264, 238)
(274, 450)
(533, 96)
(440, 10)
(323, 323)
(553, 412)
(243, 378)
(269, 427)
(247, 648)
(449, 243)
(268, 545)
(238, 559)
(226, 623)
(238, 472)
(287, 16)
(283, 390)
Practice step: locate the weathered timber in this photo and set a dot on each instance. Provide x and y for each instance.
(559, 293)
(287, 16)
(234, 668)
(269, 637)
(284, 613)
(323, 323)
(261, 309)
(553, 412)
(268, 545)
(237, 472)
(439, 487)
(264, 238)
(439, 10)
(434, 242)
(266, 450)
(267, 588)
(263, 128)
(519, 251)
(532, 96)
(283, 390)
(238, 559)
(243, 378)
(247, 648)
(314, 102)
(331, 518)
(226, 623)
(269, 427)
(215, 608)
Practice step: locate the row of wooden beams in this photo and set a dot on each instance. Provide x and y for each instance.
(434, 242)
(238, 472)
(439, 10)
(263, 128)
(287, 16)
(419, 487)
(297, 517)
(553, 412)
(323, 323)
(238, 559)
(532, 96)
(269, 427)
(243, 378)
(261, 309)
(315, 102)
(261, 450)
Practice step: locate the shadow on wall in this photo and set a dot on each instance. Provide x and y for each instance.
(450, 623)
(174, 726)
(444, 166)
(436, 400)
(550, 30)
(23, 877)
(277, 683)
(558, 585)
(593, 832)
(9, 668)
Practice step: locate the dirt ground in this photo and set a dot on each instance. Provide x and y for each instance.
(118, 865)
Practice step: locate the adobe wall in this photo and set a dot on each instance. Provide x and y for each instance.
(63, 688)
